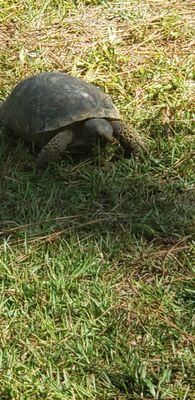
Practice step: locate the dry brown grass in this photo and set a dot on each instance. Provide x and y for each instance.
(135, 31)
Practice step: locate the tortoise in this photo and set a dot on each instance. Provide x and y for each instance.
(58, 112)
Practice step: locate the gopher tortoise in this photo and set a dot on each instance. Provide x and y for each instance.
(59, 113)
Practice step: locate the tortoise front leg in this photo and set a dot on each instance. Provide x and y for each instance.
(54, 148)
(128, 138)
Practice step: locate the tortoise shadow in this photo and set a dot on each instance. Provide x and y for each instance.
(121, 198)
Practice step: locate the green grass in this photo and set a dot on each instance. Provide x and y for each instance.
(96, 258)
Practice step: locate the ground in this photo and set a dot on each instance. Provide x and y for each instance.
(96, 265)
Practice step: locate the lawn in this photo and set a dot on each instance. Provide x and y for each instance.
(96, 257)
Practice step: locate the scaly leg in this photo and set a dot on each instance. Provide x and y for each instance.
(54, 148)
(128, 138)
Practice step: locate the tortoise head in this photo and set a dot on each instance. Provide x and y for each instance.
(100, 127)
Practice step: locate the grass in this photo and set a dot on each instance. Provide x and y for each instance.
(96, 265)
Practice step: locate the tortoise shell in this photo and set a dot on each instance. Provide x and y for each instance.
(49, 101)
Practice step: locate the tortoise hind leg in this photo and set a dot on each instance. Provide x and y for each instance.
(128, 138)
(54, 148)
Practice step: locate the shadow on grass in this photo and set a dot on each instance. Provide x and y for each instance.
(128, 197)
(127, 200)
